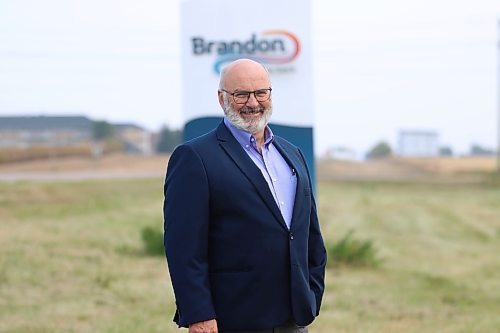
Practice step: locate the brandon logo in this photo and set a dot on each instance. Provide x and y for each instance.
(274, 47)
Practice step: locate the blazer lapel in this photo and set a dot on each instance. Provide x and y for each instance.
(249, 169)
(300, 173)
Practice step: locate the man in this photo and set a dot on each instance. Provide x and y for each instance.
(242, 237)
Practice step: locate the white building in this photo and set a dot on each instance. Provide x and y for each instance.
(418, 143)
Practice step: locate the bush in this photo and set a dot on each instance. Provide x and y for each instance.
(153, 241)
(169, 139)
(380, 150)
(352, 252)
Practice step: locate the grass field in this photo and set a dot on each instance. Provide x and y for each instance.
(71, 258)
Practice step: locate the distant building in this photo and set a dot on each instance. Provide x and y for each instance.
(340, 153)
(44, 131)
(51, 132)
(136, 139)
(418, 143)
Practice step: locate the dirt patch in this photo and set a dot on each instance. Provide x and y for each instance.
(441, 169)
(113, 166)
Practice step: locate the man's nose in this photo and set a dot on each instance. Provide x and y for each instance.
(252, 101)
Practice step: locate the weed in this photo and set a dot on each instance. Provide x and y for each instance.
(353, 252)
(153, 241)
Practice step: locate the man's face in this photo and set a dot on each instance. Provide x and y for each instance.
(252, 116)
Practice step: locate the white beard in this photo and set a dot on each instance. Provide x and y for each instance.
(252, 125)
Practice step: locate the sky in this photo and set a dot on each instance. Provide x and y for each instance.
(379, 66)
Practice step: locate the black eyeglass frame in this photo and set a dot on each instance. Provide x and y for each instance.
(248, 93)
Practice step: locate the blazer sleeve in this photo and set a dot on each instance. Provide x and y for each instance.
(316, 249)
(186, 219)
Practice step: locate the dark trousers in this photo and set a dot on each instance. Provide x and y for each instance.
(288, 327)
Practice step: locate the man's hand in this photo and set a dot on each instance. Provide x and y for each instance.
(209, 326)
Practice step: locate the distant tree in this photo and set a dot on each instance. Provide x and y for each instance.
(169, 139)
(445, 151)
(477, 150)
(380, 150)
(102, 130)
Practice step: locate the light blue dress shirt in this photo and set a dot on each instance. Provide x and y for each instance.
(280, 177)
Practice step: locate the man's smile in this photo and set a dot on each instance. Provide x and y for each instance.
(251, 112)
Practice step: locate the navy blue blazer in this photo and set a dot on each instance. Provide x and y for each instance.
(230, 254)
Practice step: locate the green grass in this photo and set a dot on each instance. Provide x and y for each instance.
(440, 250)
(73, 258)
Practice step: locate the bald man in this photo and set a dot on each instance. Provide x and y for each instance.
(242, 237)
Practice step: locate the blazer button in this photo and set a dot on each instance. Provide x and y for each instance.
(291, 236)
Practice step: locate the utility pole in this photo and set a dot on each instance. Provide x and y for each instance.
(498, 96)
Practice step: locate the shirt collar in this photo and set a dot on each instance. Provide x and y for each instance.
(244, 138)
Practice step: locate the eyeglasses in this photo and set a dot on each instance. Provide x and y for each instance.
(242, 97)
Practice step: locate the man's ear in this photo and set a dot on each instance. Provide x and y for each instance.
(221, 99)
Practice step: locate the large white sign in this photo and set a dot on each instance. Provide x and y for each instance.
(275, 33)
